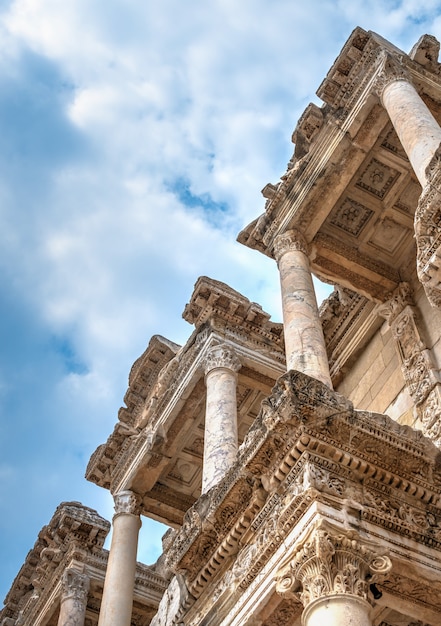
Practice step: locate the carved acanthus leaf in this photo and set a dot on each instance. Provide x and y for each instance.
(331, 561)
(288, 241)
(75, 585)
(221, 356)
(391, 71)
(127, 502)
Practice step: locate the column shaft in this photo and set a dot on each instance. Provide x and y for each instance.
(337, 610)
(417, 129)
(117, 601)
(220, 438)
(304, 342)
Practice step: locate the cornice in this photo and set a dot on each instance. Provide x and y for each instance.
(349, 92)
(113, 464)
(307, 446)
(73, 531)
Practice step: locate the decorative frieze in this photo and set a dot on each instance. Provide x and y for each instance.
(428, 232)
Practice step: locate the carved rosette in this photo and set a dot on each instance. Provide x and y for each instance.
(221, 356)
(428, 232)
(127, 502)
(331, 562)
(75, 586)
(288, 241)
(390, 72)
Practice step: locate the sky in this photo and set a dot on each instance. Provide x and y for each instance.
(135, 137)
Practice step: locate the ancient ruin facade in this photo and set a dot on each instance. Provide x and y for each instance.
(297, 465)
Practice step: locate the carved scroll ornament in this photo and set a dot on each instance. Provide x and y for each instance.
(420, 373)
(288, 241)
(75, 586)
(332, 562)
(127, 502)
(221, 356)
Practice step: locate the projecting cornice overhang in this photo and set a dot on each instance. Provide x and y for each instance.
(73, 542)
(309, 453)
(349, 187)
(157, 452)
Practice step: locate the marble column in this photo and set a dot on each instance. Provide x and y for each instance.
(74, 592)
(417, 129)
(220, 439)
(420, 135)
(304, 342)
(117, 601)
(333, 571)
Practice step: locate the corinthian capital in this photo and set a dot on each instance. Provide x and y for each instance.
(127, 502)
(287, 241)
(332, 562)
(74, 585)
(391, 71)
(221, 356)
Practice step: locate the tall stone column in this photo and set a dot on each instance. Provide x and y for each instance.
(117, 601)
(74, 592)
(420, 136)
(220, 440)
(417, 129)
(304, 342)
(331, 573)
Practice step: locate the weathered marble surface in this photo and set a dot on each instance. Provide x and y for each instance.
(117, 601)
(304, 341)
(417, 129)
(338, 610)
(75, 588)
(220, 439)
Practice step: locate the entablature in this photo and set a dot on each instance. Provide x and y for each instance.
(159, 455)
(73, 540)
(349, 187)
(309, 456)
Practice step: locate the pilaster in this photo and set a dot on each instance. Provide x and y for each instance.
(420, 373)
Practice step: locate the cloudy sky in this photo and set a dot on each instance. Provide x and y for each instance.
(135, 139)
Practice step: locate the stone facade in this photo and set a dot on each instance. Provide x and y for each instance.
(298, 466)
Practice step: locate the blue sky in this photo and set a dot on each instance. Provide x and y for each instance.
(135, 139)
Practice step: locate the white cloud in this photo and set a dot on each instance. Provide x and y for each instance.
(115, 118)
